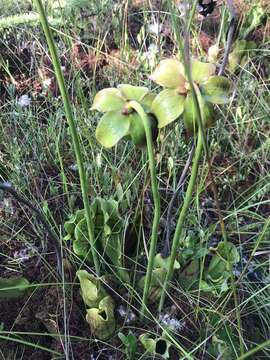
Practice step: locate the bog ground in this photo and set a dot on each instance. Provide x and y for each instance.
(180, 140)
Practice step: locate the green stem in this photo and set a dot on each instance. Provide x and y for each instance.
(73, 130)
(181, 218)
(222, 23)
(199, 115)
(253, 351)
(152, 165)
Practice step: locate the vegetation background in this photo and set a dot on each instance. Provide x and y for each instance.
(102, 44)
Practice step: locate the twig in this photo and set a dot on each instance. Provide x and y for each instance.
(166, 250)
(6, 186)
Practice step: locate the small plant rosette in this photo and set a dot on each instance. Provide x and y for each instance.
(108, 226)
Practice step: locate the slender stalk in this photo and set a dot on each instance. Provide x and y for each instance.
(253, 351)
(232, 26)
(222, 23)
(182, 217)
(166, 249)
(152, 165)
(199, 115)
(196, 96)
(185, 54)
(73, 130)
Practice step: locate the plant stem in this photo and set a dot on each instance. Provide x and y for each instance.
(166, 249)
(253, 351)
(73, 130)
(182, 217)
(197, 99)
(156, 198)
(232, 26)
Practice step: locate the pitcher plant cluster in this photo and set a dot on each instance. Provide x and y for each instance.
(137, 114)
